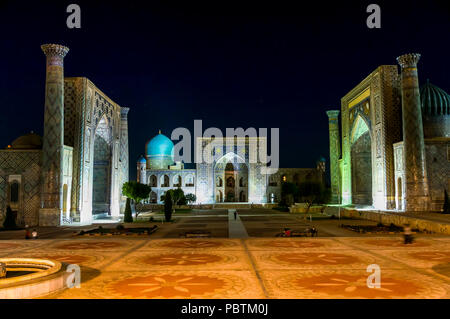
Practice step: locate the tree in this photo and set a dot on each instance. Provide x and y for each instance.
(178, 196)
(190, 198)
(446, 208)
(10, 220)
(288, 192)
(313, 193)
(168, 205)
(137, 192)
(128, 217)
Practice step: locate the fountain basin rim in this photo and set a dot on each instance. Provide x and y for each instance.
(45, 268)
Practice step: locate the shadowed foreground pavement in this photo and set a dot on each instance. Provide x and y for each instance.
(247, 268)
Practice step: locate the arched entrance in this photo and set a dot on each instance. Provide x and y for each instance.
(101, 182)
(242, 196)
(153, 181)
(361, 163)
(165, 181)
(219, 196)
(231, 179)
(153, 197)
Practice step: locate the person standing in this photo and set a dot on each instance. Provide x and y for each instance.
(407, 233)
(27, 232)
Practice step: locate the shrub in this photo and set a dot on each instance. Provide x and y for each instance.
(190, 198)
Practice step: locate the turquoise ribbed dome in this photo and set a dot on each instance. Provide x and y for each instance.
(159, 152)
(434, 100)
(160, 145)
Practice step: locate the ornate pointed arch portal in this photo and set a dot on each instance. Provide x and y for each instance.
(231, 179)
(101, 186)
(361, 162)
(243, 180)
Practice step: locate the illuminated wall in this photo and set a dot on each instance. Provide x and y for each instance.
(228, 151)
(375, 101)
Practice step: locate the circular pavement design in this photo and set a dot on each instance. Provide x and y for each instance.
(166, 286)
(178, 259)
(394, 243)
(355, 286)
(8, 246)
(288, 244)
(89, 245)
(439, 256)
(315, 258)
(69, 259)
(193, 244)
(443, 269)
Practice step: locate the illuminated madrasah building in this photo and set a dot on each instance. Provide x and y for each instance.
(395, 141)
(231, 171)
(74, 174)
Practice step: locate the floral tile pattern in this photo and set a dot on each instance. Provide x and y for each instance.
(247, 268)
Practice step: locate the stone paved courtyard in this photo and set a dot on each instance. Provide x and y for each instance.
(247, 268)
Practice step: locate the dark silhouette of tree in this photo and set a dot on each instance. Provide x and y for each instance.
(168, 205)
(128, 217)
(312, 192)
(10, 219)
(288, 193)
(446, 207)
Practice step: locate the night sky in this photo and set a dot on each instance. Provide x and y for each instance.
(262, 64)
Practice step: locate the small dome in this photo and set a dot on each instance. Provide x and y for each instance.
(321, 159)
(435, 111)
(28, 141)
(159, 152)
(142, 160)
(434, 100)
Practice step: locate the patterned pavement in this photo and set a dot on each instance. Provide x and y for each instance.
(247, 268)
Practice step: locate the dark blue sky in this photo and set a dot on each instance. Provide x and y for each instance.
(262, 64)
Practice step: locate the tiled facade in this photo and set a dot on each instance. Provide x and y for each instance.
(83, 161)
(228, 173)
(384, 151)
(24, 168)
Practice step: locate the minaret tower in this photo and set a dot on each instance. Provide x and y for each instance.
(417, 196)
(142, 170)
(53, 143)
(335, 153)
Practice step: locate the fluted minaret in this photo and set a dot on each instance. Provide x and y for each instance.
(417, 196)
(124, 142)
(52, 149)
(335, 153)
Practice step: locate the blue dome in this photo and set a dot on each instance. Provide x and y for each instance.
(142, 160)
(435, 101)
(160, 145)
